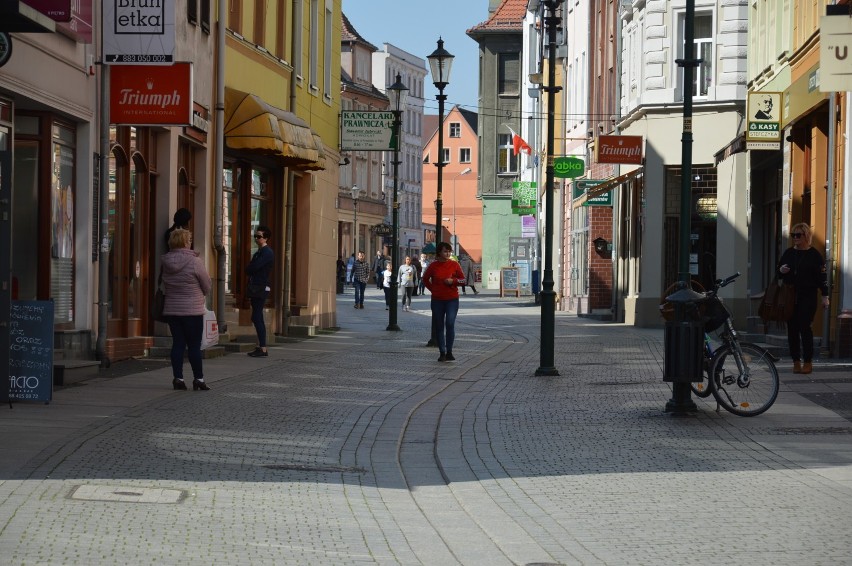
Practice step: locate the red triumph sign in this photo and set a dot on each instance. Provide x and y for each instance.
(619, 149)
(144, 95)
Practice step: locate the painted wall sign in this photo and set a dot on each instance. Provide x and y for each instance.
(366, 130)
(139, 32)
(152, 94)
(619, 149)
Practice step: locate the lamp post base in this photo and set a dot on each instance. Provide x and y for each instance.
(681, 402)
(547, 371)
(393, 327)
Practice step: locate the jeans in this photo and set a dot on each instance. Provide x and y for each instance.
(360, 287)
(257, 320)
(444, 318)
(186, 333)
(406, 296)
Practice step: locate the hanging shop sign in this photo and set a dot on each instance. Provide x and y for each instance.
(764, 120)
(568, 167)
(5, 48)
(582, 186)
(835, 50)
(524, 197)
(151, 94)
(619, 149)
(138, 32)
(56, 10)
(367, 131)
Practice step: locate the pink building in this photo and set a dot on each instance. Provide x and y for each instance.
(462, 209)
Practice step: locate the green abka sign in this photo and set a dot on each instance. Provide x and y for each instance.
(568, 167)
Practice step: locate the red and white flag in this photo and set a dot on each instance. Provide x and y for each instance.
(519, 144)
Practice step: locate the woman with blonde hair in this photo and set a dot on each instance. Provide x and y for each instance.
(803, 267)
(186, 283)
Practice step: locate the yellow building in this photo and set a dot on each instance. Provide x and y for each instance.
(280, 165)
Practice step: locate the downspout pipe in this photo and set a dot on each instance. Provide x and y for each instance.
(218, 173)
(829, 213)
(103, 213)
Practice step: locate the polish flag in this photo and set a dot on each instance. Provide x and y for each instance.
(519, 144)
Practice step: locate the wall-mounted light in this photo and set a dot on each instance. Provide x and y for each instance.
(601, 245)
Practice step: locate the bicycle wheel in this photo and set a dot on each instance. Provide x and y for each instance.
(745, 385)
(702, 388)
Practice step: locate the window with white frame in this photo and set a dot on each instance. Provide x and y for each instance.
(507, 161)
(446, 155)
(455, 130)
(464, 155)
(702, 78)
(327, 40)
(314, 40)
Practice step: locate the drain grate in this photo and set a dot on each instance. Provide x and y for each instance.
(316, 468)
(127, 494)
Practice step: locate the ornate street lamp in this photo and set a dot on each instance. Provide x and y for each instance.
(548, 295)
(465, 171)
(440, 63)
(355, 190)
(397, 93)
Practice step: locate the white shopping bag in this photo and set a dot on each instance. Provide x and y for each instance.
(210, 337)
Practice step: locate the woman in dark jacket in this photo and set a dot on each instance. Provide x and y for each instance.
(258, 271)
(186, 283)
(804, 268)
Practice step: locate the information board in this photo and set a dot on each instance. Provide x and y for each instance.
(509, 281)
(31, 351)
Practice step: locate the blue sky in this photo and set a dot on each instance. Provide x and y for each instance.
(415, 27)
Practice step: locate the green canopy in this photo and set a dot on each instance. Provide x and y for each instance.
(428, 248)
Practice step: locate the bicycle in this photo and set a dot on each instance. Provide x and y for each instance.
(745, 380)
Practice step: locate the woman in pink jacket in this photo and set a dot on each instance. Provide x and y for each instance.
(185, 283)
(443, 278)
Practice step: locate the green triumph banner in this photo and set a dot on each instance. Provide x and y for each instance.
(524, 195)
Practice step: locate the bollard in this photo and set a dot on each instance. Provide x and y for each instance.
(684, 343)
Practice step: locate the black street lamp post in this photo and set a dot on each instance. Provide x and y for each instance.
(397, 93)
(440, 64)
(548, 295)
(355, 190)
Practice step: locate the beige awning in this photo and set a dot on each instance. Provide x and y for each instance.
(606, 186)
(253, 125)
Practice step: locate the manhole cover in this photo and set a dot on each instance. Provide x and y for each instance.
(316, 468)
(125, 494)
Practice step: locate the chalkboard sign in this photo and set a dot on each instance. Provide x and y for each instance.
(509, 281)
(31, 351)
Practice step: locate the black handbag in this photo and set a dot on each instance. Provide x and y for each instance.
(159, 300)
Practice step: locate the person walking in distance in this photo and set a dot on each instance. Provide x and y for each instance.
(467, 268)
(387, 278)
(181, 219)
(803, 267)
(258, 271)
(443, 277)
(378, 269)
(406, 278)
(186, 283)
(424, 264)
(360, 276)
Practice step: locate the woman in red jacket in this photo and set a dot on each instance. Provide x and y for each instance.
(443, 277)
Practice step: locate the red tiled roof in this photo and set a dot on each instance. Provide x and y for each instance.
(509, 16)
(349, 33)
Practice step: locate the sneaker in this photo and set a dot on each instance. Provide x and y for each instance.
(356, 306)
(258, 353)
(442, 358)
(450, 357)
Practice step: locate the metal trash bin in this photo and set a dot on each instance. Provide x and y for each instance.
(684, 339)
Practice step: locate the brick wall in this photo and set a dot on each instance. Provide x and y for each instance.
(125, 348)
(600, 265)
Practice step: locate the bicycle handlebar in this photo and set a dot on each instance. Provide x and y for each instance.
(723, 283)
